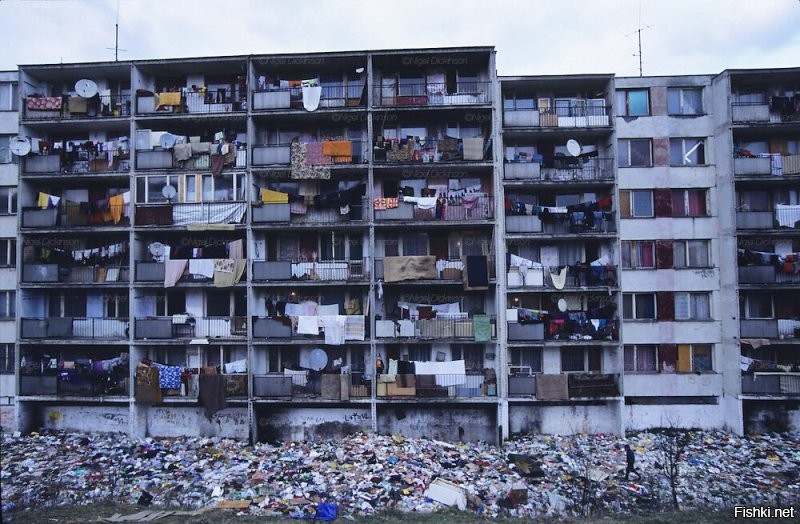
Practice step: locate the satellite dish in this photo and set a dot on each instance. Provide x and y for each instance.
(573, 147)
(20, 146)
(167, 140)
(169, 192)
(562, 305)
(157, 249)
(319, 359)
(86, 88)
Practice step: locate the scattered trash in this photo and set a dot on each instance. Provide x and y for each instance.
(530, 476)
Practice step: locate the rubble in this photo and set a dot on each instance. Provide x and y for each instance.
(363, 474)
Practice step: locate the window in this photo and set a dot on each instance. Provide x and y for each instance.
(685, 101)
(8, 305)
(419, 353)
(641, 358)
(639, 306)
(633, 102)
(6, 358)
(636, 203)
(512, 102)
(6, 157)
(689, 203)
(8, 252)
(580, 360)
(530, 357)
(472, 355)
(8, 200)
(694, 358)
(692, 306)
(411, 86)
(635, 153)
(691, 253)
(687, 151)
(415, 244)
(757, 305)
(8, 96)
(638, 254)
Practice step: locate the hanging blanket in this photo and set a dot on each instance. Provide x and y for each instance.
(552, 387)
(211, 393)
(396, 269)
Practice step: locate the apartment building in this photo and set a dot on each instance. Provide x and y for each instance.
(302, 246)
(9, 172)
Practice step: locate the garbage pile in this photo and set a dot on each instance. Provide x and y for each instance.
(365, 474)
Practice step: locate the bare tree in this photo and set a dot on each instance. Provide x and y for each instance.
(671, 445)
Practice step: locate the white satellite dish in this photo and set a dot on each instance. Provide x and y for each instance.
(562, 305)
(86, 88)
(167, 140)
(573, 147)
(319, 359)
(157, 249)
(20, 146)
(169, 192)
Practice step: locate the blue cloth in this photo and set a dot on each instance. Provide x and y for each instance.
(169, 377)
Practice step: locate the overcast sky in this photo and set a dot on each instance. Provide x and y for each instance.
(531, 37)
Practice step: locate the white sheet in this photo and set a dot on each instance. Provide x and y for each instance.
(208, 213)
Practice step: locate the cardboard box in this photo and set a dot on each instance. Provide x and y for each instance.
(381, 389)
(358, 391)
(451, 274)
(393, 390)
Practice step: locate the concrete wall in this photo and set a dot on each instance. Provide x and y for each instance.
(702, 416)
(169, 421)
(564, 420)
(451, 424)
(109, 419)
(277, 423)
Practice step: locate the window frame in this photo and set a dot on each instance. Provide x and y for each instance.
(13, 96)
(627, 142)
(635, 349)
(9, 196)
(696, 149)
(589, 357)
(684, 262)
(8, 252)
(631, 207)
(686, 202)
(692, 350)
(691, 298)
(8, 304)
(527, 356)
(682, 103)
(630, 308)
(634, 247)
(7, 357)
(624, 101)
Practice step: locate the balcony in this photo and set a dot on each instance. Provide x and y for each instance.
(72, 215)
(430, 151)
(51, 273)
(776, 109)
(564, 386)
(583, 276)
(576, 223)
(479, 328)
(321, 271)
(766, 165)
(771, 384)
(571, 115)
(784, 216)
(189, 157)
(766, 275)
(40, 164)
(74, 328)
(189, 101)
(565, 329)
(479, 206)
(441, 385)
(305, 385)
(77, 107)
(147, 271)
(769, 328)
(68, 383)
(313, 328)
(325, 153)
(186, 326)
(79, 165)
(183, 214)
(292, 98)
(432, 94)
(672, 384)
(426, 268)
(324, 215)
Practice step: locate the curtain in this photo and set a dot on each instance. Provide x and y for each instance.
(697, 203)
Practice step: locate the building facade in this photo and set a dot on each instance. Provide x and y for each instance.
(302, 246)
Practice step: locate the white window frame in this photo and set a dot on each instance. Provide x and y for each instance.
(684, 262)
(7, 354)
(747, 312)
(8, 301)
(9, 195)
(625, 143)
(631, 246)
(587, 361)
(8, 252)
(630, 195)
(623, 100)
(685, 110)
(526, 357)
(635, 349)
(692, 349)
(686, 305)
(13, 96)
(686, 206)
(688, 147)
(631, 313)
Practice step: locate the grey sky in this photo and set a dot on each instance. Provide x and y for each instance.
(531, 37)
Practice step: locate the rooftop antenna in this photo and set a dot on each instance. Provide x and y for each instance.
(116, 38)
(639, 36)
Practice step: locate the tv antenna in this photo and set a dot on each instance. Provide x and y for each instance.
(638, 32)
(116, 38)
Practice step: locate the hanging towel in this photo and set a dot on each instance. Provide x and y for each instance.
(560, 278)
(482, 328)
(169, 99)
(269, 196)
(354, 328)
(43, 200)
(173, 269)
(337, 148)
(116, 204)
(477, 272)
(202, 266)
(334, 326)
(211, 394)
(311, 96)
(473, 148)
(307, 325)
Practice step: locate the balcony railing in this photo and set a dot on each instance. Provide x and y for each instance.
(585, 275)
(188, 101)
(473, 207)
(771, 383)
(33, 273)
(76, 107)
(426, 268)
(186, 326)
(331, 152)
(433, 94)
(562, 224)
(197, 158)
(304, 384)
(291, 98)
(272, 212)
(227, 212)
(65, 383)
(323, 270)
(74, 328)
(52, 164)
(561, 169)
(147, 271)
(783, 216)
(430, 151)
(565, 329)
(769, 328)
(766, 165)
(573, 115)
(355, 329)
(563, 386)
(775, 110)
(460, 326)
(766, 275)
(69, 215)
(445, 385)
(670, 384)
